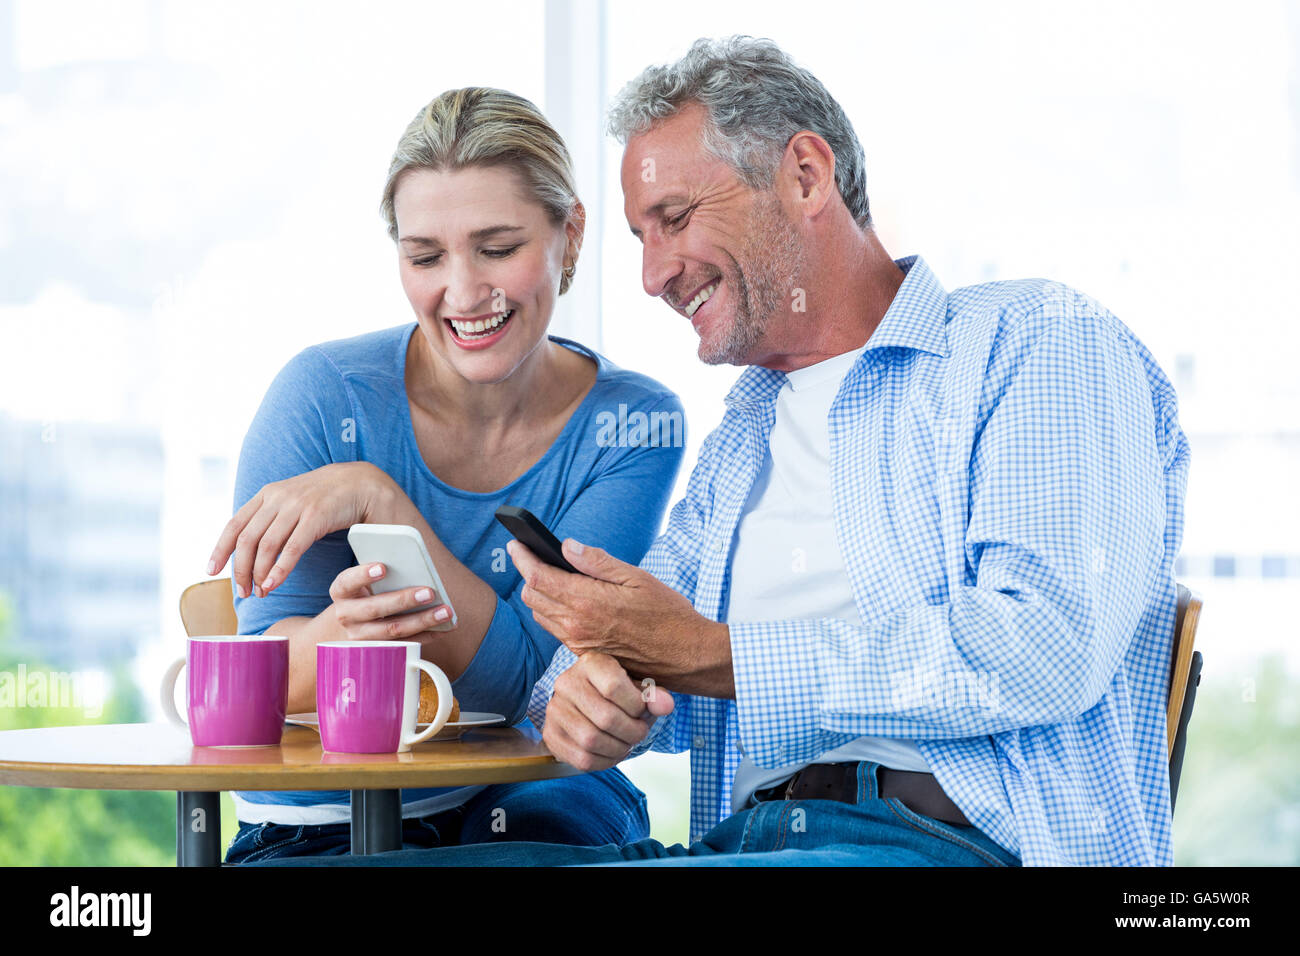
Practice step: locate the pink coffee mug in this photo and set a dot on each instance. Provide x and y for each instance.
(368, 696)
(237, 690)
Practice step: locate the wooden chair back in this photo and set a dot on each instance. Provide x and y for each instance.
(1184, 676)
(209, 608)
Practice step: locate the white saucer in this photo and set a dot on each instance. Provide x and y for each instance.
(469, 720)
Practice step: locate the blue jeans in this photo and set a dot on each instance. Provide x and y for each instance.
(587, 810)
(874, 831)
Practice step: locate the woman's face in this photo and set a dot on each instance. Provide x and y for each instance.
(480, 263)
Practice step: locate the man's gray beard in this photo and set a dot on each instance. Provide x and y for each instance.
(762, 281)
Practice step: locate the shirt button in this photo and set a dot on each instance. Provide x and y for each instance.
(698, 742)
(720, 545)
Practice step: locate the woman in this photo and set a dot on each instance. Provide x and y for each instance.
(435, 425)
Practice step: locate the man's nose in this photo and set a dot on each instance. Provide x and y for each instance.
(660, 264)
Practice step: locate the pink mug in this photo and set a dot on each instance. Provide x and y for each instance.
(368, 696)
(237, 690)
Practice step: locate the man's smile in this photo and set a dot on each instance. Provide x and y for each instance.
(700, 298)
(689, 305)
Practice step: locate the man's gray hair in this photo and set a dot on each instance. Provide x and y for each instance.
(756, 99)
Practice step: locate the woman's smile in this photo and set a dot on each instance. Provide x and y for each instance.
(479, 332)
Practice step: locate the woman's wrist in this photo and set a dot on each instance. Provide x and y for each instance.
(382, 500)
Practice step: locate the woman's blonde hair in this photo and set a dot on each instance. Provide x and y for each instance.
(481, 126)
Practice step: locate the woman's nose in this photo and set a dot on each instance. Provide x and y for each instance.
(466, 289)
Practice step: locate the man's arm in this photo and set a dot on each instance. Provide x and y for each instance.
(1064, 538)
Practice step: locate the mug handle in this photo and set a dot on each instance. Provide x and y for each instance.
(169, 692)
(444, 701)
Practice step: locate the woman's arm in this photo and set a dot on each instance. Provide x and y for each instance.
(304, 634)
(474, 600)
(283, 523)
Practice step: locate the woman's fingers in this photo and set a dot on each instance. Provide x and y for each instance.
(384, 605)
(367, 616)
(398, 627)
(283, 555)
(246, 545)
(271, 547)
(355, 582)
(226, 540)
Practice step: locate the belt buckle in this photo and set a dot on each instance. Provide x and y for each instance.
(788, 792)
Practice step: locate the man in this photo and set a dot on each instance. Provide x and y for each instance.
(917, 603)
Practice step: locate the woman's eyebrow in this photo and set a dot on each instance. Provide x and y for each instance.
(489, 231)
(484, 233)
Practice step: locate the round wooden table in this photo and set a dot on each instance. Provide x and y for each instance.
(161, 757)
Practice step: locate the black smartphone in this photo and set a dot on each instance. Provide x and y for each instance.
(527, 530)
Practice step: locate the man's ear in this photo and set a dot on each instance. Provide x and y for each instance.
(810, 162)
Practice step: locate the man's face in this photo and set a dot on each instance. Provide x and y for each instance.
(719, 253)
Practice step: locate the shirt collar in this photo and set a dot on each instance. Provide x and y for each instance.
(917, 318)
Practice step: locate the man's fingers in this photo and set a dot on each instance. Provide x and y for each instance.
(566, 751)
(578, 733)
(608, 678)
(542, 604)
(597, 563)
(605, 715)
(537, 574)
(658, 701)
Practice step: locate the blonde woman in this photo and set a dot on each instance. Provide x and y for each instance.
(435, 424)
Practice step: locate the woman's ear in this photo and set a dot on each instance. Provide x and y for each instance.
(574, 228)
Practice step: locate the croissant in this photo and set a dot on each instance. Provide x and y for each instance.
(429, 702)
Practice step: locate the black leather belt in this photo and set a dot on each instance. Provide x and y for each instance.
(919, 792)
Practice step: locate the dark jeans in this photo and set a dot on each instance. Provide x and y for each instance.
(588, 810)
(874, 831)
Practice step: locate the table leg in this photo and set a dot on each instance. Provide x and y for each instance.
(376, 821)
(198, 829)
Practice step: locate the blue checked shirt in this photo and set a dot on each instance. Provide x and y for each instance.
(1008, 473)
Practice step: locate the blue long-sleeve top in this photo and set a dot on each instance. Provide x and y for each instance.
(604, 481)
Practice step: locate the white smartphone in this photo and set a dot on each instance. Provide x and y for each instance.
(400, 549)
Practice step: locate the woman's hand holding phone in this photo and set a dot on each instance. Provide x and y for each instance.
(277, 525)
(364, 616)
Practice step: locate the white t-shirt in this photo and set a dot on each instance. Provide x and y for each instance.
(787, 563)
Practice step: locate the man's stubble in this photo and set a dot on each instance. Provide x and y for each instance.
(762, 280)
